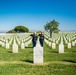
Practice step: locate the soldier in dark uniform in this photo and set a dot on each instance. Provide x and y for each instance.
(41, 39)
(34, 39)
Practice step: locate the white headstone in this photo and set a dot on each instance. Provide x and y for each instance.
(56, 41)
(7, 45)
(6, 41)
(19, 42)
(73, 43)
(10, 42)
(0, 42)
(38, 54)
(3, 44)
(61, 48)
(15, 48)
(49, 43)
(69, 45)
(53, 45)
(69, 40)
(49, 38)
(26, 44)
(66, 41)
(22, 46)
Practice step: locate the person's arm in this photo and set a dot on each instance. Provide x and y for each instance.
(38, 34)
(31, 35)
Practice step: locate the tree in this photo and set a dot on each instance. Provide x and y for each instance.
(11, 31)
(20, 29)
(38, 32)
(52, 27)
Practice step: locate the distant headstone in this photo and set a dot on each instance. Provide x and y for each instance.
(19, 42)
(15, 48)
(56, 41)
(0, 42)
(49, 43)
(10, 42)
(26, 44)
(61, 48)
(69, 45)
(73, 43)
(66, 41)
(69, 40)
(3, 44)
(53, 45)
(22, 46)
(6, 41)
(7, 45)
(49, 38)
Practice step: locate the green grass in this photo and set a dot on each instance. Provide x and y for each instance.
(22, 63)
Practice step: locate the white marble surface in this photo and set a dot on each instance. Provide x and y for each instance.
(7, 45)
(53, 45)
(69, 45)
(22, 46)
(15, 48)
(38, 54)
(61, 48)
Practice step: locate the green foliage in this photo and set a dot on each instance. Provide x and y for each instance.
(11, 31)
(38, 31)
(56, 31)
(52, 27)
(21, 29)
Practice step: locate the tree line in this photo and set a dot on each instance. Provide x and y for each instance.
(50, 27)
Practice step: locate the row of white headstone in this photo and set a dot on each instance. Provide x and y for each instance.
(58, 39)
(38, 50)
(20, 40)
(7, 41)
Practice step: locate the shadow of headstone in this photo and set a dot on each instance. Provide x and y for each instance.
(70, 61)
(29, 61)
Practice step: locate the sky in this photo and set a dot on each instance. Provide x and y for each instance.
(34, 14)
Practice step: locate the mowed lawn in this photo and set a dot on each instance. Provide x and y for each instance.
(22, 63)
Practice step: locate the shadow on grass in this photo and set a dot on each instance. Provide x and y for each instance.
(29, 47)
(54, 51)
(9, 51)
(74, 51)
(31, 52)
(70, 61)
(29, 61)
